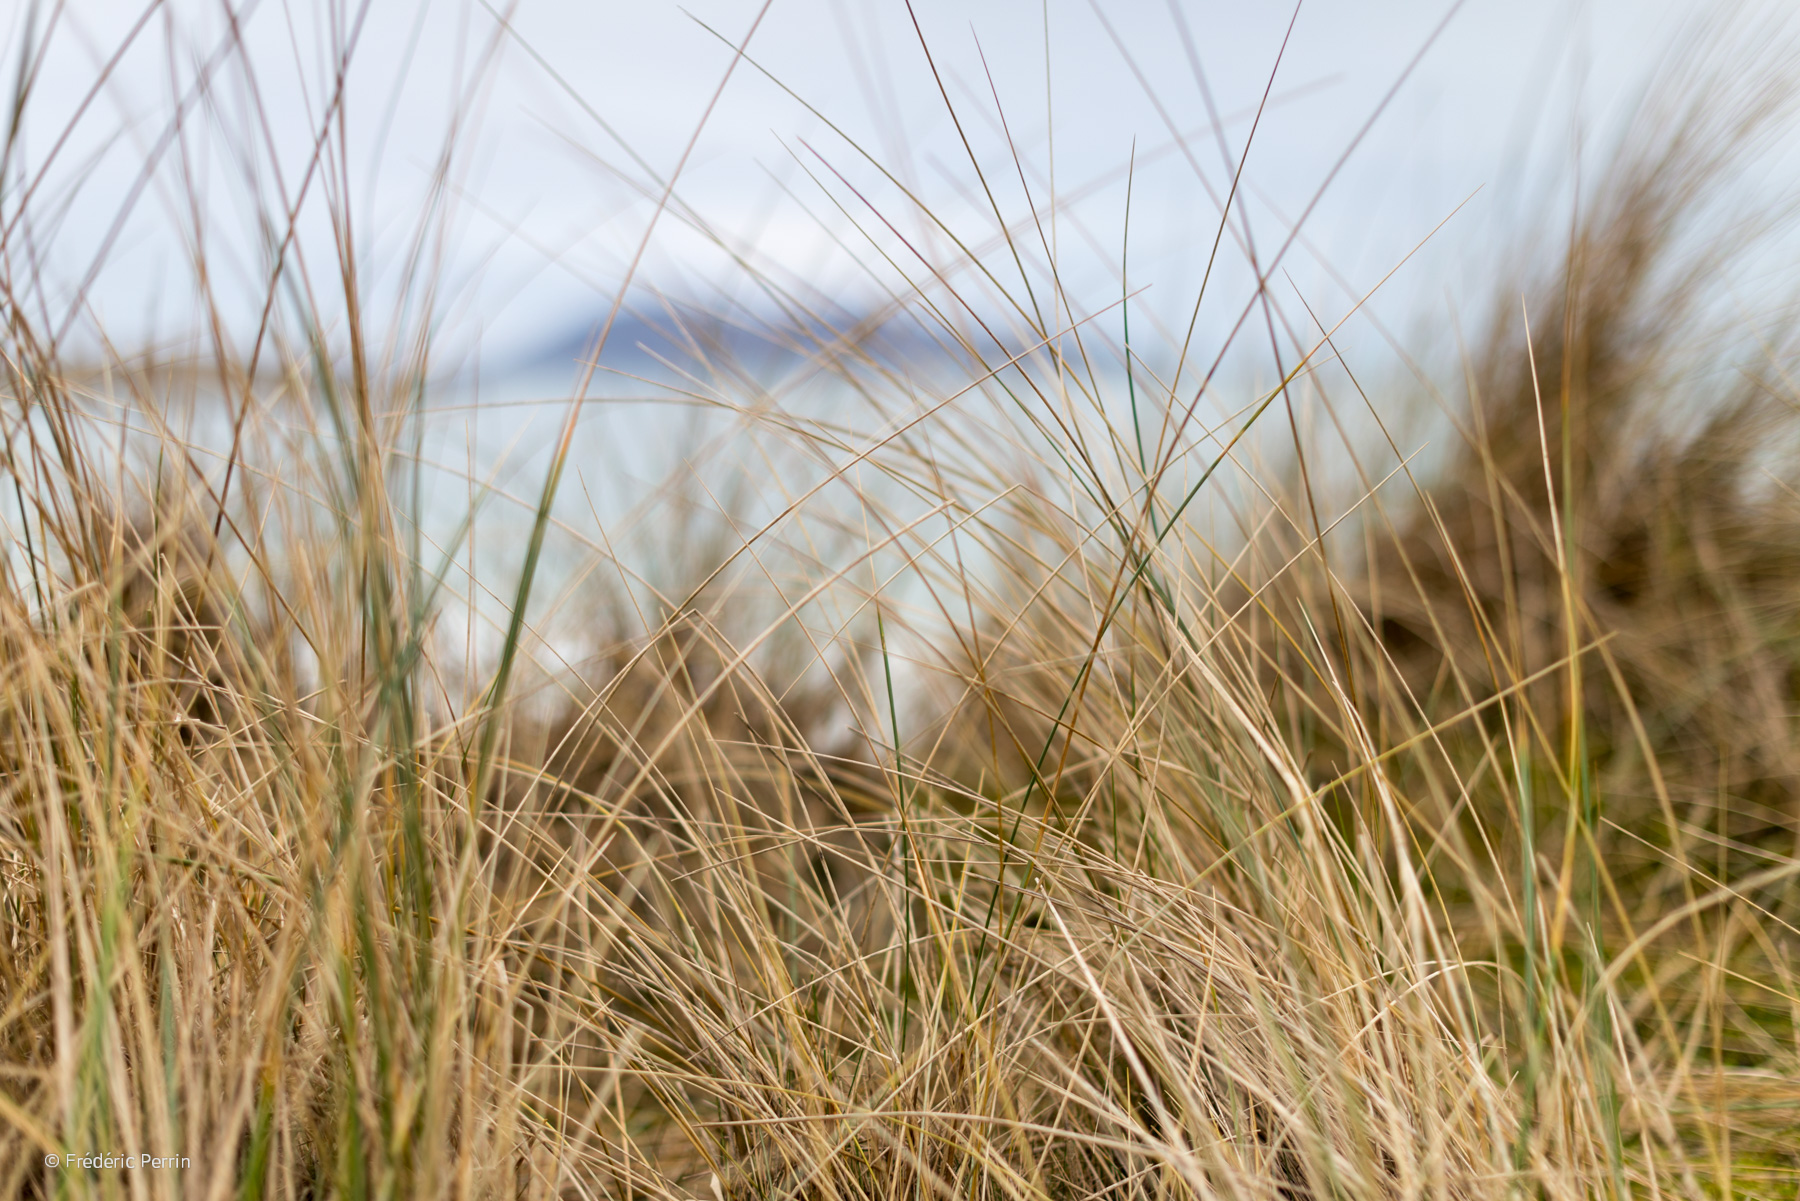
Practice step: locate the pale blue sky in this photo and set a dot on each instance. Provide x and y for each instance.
(549, 207)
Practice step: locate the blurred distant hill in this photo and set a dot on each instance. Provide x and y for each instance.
(673, 344)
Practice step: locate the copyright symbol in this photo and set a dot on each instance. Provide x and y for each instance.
(50, 1161)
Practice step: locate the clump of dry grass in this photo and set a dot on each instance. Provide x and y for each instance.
(1631, 471)
(975, 827)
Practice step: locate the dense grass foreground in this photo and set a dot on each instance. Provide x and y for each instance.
(980, 821)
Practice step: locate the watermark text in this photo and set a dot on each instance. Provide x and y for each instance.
(93, 1162)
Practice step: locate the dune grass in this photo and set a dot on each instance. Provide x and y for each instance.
(981, 822)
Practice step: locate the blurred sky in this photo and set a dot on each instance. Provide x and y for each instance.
(570, 116)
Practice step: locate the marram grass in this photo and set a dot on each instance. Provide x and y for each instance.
(978, 822)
